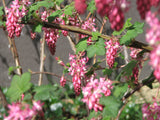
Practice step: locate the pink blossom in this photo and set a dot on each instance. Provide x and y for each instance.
(112, 48)
(23, 111)
(62, 81)
(151, 111)
(14, 16)
(80, 6)
(77, 70)
(92, 92)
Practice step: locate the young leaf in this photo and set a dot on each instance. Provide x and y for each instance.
(37, 28)
(132, 32)
(126, 25)
(98, 48)
(37, 5)
(19, 85)
(95, 35)
(68, 10)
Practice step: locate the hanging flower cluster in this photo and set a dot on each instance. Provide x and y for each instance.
(14, 16)
(113, 9)
(152, 37)
(112, 47)
(77, 70)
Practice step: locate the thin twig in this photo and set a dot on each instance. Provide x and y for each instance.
(104, 21)
(120, 111)
(41, 61)
(72, 44)
(49, 73)
(4, 100)
(75, 29)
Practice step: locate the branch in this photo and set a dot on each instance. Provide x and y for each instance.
(138, 88)
(49, 73)
(135, 44)
(41, 61)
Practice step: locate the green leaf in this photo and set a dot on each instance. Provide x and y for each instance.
(91, 7)
(120, 90)
(126, 25)
(93, 114)
(82, 45)
(12, 69)
(127, 70)
(107, 71)
(91, 51)
(37, 28)
(132, 32)
(44, 92)
(1, 11)
(95, 35)
(98, 48)
(19, 85)
(69, 9)
(37, 5)
(58, 2)
(111, 106)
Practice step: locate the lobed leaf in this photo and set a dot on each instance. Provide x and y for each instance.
(19, 85)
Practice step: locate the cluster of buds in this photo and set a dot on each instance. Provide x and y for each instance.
(92, 92)
(23, 111)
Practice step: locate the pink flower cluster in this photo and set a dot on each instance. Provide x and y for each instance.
(92, 92)
(80, 6)
(151, 111)
(14, 15)
(23, 111)
(63, 81)
(144, 6)
(77, 70)
(113, 9)
(112, 48)
(152, 37)
(33, 35)
(88, 25)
